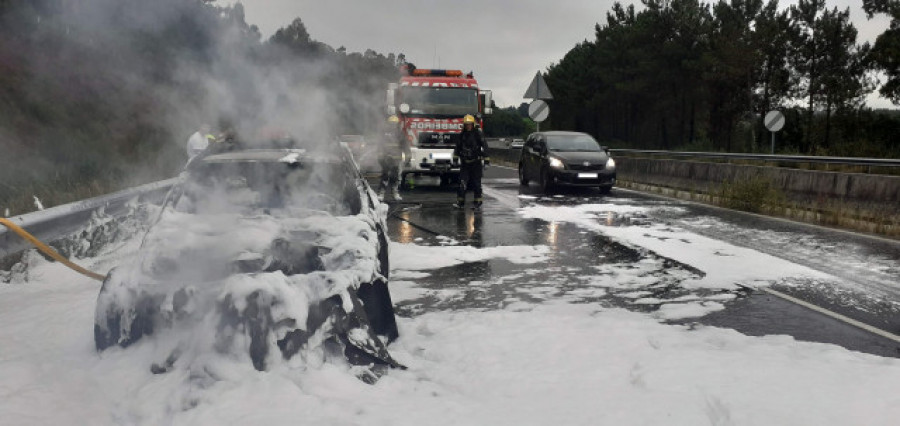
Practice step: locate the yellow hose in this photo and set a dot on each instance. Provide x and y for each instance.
(49, 251)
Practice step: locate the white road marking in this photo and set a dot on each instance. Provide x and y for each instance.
(834, 315)
(508, 200)
(512, 201)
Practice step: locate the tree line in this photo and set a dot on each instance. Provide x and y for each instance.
(97, 95)
(682, 74)
(508, 122)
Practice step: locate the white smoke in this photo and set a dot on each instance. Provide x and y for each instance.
(156, 71)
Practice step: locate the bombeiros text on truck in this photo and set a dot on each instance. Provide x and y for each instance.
(431, 104)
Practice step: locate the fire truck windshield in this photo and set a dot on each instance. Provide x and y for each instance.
(440, 101)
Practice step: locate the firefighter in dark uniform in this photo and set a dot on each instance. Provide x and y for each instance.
(392, 148)
(471, 155)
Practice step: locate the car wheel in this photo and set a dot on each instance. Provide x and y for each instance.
(379, 309)
(522, 178)
(605, 189)
(546, 182)
(123, 321)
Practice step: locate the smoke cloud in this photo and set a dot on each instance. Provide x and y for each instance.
(100, 94)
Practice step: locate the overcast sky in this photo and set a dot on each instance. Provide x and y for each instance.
(505, 42)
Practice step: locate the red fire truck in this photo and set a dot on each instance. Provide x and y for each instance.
(431, 104)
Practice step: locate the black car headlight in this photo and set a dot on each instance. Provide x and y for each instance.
(610, 164)
(556, 163)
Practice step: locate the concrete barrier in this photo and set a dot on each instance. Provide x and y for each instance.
(504, 156)
(854, 200)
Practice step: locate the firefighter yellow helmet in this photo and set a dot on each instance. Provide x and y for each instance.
(468, 119)
(393, 119)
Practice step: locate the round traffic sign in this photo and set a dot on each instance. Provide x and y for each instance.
(774, 121)
(538, 110)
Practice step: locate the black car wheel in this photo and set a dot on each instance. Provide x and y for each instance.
(546, 181)
(522, 178)
(605, 189)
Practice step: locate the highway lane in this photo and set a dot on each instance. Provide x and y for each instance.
(862, 272)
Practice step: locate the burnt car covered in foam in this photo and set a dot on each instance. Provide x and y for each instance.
(262, 253)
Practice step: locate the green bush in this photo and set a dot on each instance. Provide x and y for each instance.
(756, 194)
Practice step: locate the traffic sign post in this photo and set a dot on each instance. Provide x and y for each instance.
(538, 88)
(774, 121)
(538, 110)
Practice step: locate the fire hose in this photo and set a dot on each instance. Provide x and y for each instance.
(49, 251)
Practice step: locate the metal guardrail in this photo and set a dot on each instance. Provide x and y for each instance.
(847, 161)
(57, 222)
(512, 156)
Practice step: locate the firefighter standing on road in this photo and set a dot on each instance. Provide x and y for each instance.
(392, 148)
(470, 152)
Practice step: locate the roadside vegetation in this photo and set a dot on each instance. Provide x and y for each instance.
(99, 95)
(753, 195)
(689, 75)
(509, 122)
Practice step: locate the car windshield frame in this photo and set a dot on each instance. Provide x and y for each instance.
(573, 143)
(440, 101)
(252, 186)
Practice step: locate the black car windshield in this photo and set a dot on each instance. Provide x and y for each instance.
(440, 100)
(259, 187)
(572, 143)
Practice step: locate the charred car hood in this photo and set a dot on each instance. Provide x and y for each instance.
(190, 249)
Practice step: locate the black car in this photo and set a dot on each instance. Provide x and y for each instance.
(259, 253)
(566, 158)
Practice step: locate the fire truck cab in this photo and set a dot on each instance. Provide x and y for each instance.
(431, 104)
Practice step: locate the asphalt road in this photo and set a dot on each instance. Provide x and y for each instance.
(867, 269)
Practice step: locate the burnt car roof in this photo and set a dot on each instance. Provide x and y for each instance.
(292, 156)
(269, 155)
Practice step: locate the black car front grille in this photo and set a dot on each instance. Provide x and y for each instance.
(591, 167)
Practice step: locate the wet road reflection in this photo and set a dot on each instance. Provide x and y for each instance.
(588, 267)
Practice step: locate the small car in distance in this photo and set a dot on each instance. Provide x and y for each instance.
(566, 159)
(516, 143)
